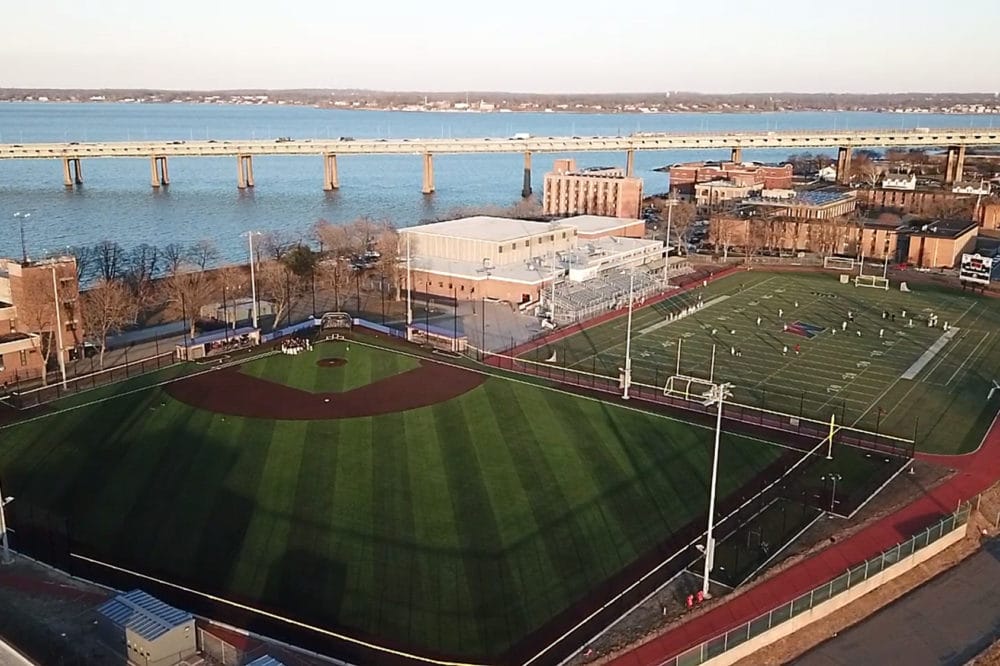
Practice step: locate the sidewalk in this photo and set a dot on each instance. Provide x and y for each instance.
(976, 472)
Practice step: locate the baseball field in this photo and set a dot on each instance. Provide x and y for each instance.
(917, 364)
(361, 490)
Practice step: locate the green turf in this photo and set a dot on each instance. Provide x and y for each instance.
(856, 378)
(362, 368)
(457, 528)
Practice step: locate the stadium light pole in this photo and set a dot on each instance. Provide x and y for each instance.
(714, 396)
(21, 217)
(253, 278)
(409, 291)
(5, 557)
(628, 337)
(59, 333)
(666, 260)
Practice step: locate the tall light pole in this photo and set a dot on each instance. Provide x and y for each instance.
(409, 290)
(714, 396)
(5, 557)
(833, 478)
(666, 261)
(59, 335)
(21, 217)
(253, 277)
(628, 337)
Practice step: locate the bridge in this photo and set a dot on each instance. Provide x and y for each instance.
(955, 141)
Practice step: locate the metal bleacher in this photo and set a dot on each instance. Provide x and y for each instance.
(577, 301)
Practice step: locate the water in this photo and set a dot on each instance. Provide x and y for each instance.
(116, 202)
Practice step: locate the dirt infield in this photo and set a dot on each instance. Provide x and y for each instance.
(232, 392)
(331, 362)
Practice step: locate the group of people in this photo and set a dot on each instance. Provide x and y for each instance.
(293, 346)
(228, 344)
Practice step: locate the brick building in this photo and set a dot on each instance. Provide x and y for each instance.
(594, 191)
(30, 324)
(823, 204)
(684, 177)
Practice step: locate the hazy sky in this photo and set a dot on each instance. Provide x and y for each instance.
(538, 45)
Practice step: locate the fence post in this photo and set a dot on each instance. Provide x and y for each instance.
(848, 579)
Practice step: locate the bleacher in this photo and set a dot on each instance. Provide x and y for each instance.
(576, 301)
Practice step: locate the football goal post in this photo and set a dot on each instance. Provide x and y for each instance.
(687, 387)
(839, 263)
(872, 281)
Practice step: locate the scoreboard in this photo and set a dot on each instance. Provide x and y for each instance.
(976, 268)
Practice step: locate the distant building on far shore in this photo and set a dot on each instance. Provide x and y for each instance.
(604, 191)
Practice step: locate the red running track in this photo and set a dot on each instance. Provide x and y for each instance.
(977, 471)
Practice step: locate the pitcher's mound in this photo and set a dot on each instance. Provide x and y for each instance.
(331, 362)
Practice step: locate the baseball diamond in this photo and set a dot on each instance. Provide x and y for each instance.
(435, 509)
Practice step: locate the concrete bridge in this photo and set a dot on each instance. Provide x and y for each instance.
(955, 141)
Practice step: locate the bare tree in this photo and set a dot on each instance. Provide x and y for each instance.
(335, 268)
(109, 258)
(389, 267)
(84, 256)
(108, 306)
(37, 312)
(950, 208)
(142, 265)
(277, 284)
(189, 285)
(174, 255)
(682, 219)
(722, 231)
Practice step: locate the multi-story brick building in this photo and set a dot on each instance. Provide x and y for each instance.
(601, 191)
(684, 177)
(32, 327)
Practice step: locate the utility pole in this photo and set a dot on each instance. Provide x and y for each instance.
(716, 395)
(59, 335)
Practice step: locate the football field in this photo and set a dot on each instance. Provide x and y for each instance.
(805, 345)
(455, 528)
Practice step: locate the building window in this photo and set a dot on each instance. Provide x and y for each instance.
(513, 246)
(472, 290)
(462, 288)
(501, 249)
(441, 284)
(24, 357)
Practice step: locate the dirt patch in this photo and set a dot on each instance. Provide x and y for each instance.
(331, 362)
(229, 391)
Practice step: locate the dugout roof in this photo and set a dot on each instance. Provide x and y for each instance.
(147, 616)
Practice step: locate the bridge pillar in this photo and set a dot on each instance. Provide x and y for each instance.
(331, 180)
(428, 187)
(72, 171)
(844, 165)
(244, 171)
(630, 162)
(526, 185)
(736, 155)
(954, 164)
(158, 172)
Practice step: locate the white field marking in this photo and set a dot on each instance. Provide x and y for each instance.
(619, 326)
(915, 384)
(929, 355)
(783, 548)
(899, 471)
(969, 356)
(275, 616)
(666, 322)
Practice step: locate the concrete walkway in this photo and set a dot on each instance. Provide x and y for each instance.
(949, 621)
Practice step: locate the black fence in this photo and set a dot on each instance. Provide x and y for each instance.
(87, 377)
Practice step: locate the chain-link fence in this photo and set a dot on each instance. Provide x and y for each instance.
(853, 576)
(25, 399)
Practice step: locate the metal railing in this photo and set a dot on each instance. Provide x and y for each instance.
(714, 647)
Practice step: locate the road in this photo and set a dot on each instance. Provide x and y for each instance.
(9, 657)
(948, 621)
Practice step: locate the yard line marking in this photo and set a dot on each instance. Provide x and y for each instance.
(929, 355)
(969, 356)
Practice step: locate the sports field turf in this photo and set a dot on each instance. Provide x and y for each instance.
(860, 379)
(457, 528)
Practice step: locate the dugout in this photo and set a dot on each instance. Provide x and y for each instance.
(218, 342)
(439, 338)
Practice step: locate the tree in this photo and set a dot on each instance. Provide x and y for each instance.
(722, 232)
(174, 255)
(950, 207)
(189, 285)
(302, 262)
(108, 306)
(389, 265)
(84, 256)
(108, 259)
(36, 310)
(142, 264)
(681, 220)
(868, 172)
(334, 268)
(275, 283)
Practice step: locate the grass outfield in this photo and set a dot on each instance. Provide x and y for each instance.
(458, 528)
(859, 378)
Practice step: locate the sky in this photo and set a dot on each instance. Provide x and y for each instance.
(586, 46)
